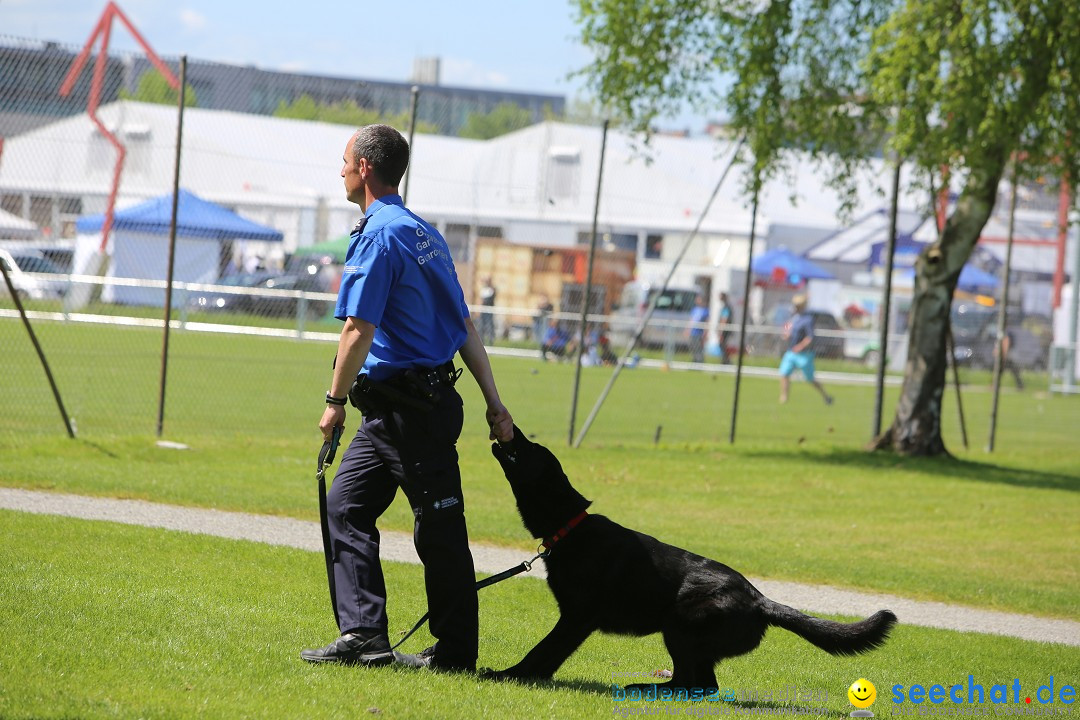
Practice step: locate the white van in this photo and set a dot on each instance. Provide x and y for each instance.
(23, 267)
(668, 322)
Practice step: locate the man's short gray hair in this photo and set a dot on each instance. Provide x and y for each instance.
(385, 149)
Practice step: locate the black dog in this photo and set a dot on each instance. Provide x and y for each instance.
(609, 578)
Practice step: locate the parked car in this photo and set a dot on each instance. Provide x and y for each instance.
(974, 329)
(23, 267)
(243, 301)
(668, 321)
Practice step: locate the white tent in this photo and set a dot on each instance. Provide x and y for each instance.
(15, 228)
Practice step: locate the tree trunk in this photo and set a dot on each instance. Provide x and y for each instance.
(916, 429)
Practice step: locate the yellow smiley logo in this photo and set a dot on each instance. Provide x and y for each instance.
(862, 693)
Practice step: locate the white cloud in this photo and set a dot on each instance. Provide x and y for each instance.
(456, 71)
(192, 20)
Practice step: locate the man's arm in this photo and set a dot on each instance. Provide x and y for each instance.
(353, 347)
(476, 359)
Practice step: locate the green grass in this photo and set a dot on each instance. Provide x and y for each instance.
(102, 620)
(795, 498)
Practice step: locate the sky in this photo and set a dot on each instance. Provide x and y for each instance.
(519, 45)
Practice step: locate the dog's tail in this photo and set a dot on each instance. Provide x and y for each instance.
(833, 637)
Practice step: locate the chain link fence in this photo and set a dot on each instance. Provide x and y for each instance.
(87, 165)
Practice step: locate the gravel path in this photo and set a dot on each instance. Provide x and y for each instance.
(398, 547)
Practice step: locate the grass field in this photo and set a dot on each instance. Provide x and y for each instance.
(102, 620)
(208, 627)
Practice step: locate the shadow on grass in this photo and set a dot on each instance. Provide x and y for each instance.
(101, 449)
(949, 467)
(588, 687)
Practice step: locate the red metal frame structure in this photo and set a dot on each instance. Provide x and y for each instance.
(104, 30)
(1064, 201)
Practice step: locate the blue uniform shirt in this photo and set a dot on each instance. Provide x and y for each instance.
(802, 326)
(698, 314)
(399, 277)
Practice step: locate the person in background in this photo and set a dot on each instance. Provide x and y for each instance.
(699, 315)
(486, 322)
(544, 310)
(723, 319)
(1007, 344)
(555, 342)
(800, 351)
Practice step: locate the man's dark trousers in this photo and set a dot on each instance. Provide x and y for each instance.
(414, 449)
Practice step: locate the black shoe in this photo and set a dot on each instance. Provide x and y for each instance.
(426, 658)
(353, 649)
(421, 659)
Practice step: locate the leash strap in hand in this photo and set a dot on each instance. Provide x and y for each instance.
(326, 459)
(328, 452)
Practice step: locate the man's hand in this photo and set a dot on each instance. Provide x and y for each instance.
(500, 422)
(334, 416)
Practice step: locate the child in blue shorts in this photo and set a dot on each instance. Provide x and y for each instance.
(800, 353)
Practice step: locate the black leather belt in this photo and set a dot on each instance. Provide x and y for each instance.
(418, 388)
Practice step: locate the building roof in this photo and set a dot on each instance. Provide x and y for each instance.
(543, 174)
(1035, 234)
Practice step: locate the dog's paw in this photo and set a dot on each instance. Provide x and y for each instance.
(492, 674)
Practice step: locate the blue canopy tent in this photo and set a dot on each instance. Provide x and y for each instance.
(781, 266)
(973, 279)
(140, 243)
(906, 252)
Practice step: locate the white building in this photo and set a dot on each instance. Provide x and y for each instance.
(536, 186)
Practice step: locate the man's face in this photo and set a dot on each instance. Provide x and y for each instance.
(352, 173)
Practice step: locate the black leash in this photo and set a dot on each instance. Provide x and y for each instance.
(326, 459)
(525, 566)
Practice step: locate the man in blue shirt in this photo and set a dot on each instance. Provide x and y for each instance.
(723, 334)
(800, 353)
(699, 314)
(405, 319)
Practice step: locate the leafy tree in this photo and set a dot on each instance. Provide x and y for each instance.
(504, 118)
(154, 88)
(346, 112)
(968, 86)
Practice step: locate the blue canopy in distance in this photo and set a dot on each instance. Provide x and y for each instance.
(785, 266)
(195, 217)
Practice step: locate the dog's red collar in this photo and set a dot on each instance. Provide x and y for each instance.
(564, 530)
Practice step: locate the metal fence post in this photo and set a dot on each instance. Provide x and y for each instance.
(582, 334)
(412, 133)
(886, 305)
(172, 248)
(1003, 312)
(742, 322)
